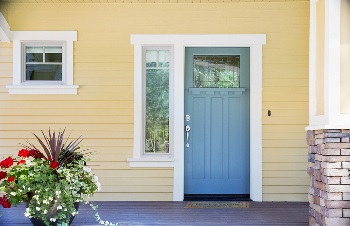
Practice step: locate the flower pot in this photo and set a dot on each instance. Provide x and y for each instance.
(51, 213)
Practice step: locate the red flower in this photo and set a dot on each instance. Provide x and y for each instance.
(21, 162)
(53, 165)
(5, 202)
(2, 175)
(35, 154)
(23, 153)
(10, 179)
(6, 163)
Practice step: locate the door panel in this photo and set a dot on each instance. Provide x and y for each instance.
(217, 159)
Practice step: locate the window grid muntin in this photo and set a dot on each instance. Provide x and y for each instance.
(25, 44)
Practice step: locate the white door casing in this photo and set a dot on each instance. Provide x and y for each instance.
(179, 43)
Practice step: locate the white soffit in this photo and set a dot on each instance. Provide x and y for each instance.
(4, 29)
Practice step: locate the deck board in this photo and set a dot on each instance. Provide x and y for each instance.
(174, 213)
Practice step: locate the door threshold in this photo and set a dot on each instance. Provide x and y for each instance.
(219, 197)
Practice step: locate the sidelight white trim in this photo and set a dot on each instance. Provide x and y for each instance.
(179, 43)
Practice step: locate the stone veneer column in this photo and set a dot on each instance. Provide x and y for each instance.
(329, 165)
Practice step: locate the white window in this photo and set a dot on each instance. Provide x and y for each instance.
(153, 111)
(43, 62)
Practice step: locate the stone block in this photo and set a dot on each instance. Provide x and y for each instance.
(333, 196)
(345, 130)
(319, 141)
(332, 131)
(330, 180)
(337, 145)
(320, 136)
(345, 180)
(346, 195)
(310, 137)
(337, 188)
(318, 175)
(345, 165)
(337, 221)
(311, 157)
(331, 152)
(318, 157)
(319, 185)
(339, 158)
(332, 140)
(336, 135)
(345, 151)
(331, 165)
(317, 165)
(345, 139)
(336, 172)
(338, 204)
(332, 212)
(312, 222)
(319, 131)
(346, 212)
(312, 149)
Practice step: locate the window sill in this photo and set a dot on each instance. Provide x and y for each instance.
(151, 162)
(43, 89)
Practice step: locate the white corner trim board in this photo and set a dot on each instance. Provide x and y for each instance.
(5, 33)
(179, 43)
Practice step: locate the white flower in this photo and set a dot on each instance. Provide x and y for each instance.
(87, 169)
(20, 190)
(50, 198)
(45, 212)
(59, 207)
(13, 193)
(52, 219)
(95, 178)
(58, 192)
(37, 208)
(45, 201)
(27, 213)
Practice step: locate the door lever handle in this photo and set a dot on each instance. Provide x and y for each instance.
(187, 128)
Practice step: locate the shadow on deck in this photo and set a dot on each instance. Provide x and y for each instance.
(174, 213)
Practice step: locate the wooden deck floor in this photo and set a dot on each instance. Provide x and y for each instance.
(174, 213)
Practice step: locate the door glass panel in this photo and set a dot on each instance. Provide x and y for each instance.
(214, 71)
(157, 101)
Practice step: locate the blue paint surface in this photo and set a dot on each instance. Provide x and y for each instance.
(217, 160)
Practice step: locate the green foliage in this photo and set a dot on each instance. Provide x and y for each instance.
(157, 110)
(45, 183)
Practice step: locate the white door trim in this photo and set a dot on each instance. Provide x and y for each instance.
(179, 43)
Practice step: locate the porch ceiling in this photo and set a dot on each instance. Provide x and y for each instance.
(144, 1)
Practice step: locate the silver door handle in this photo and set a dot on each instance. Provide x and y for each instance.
(187, 128)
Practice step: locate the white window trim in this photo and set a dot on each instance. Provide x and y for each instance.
(140, 159)
(43, 87)
(179, 42)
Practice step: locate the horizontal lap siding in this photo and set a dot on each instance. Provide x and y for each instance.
(102, 112)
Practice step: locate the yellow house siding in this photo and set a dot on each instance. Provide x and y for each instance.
(103, 67)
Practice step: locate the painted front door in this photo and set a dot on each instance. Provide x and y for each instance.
(217, 121)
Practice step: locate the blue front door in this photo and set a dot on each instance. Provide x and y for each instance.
(217, 121)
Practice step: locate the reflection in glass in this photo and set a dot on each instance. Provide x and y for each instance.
(157, 101)
(216, 71)
(43, 63)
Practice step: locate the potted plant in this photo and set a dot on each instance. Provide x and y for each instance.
(52, 179)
